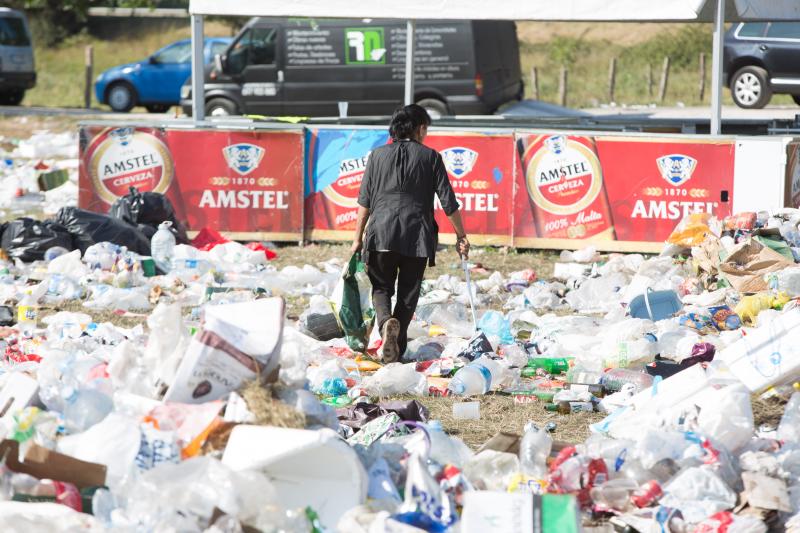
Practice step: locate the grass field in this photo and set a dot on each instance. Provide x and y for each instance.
(584, 49)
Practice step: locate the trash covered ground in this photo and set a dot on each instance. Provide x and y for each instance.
(151, 382)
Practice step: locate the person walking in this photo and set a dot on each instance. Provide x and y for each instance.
(396, 209)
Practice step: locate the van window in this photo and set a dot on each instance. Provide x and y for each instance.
(12, 32)
(177, 53)
(255, 47)
(752, 29)
(784, 30)
(218, 48)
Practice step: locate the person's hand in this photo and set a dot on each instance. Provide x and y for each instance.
(462, 247)
(356, 247)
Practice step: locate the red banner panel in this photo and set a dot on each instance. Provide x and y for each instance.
(480, 168)
(653, 183)
(336, 159)
(237, 182)
(571, 188)
(560, 189)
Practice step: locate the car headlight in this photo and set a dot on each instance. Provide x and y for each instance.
(186, 92)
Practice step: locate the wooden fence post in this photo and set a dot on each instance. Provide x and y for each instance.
(562, 87)
(662, 89)
(535, 83)
(87, 90)
(612, 78)
(702, 75)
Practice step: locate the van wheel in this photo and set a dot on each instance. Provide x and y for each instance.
(121, 97)
(750, 88)
(220, 107)
(435, 108)
(157, 108)
(12, 97)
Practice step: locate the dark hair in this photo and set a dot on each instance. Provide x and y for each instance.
(406, 120)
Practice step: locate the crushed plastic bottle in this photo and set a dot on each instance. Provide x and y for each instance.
(534, 449)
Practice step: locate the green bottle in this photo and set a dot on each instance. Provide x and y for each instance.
(551, 365)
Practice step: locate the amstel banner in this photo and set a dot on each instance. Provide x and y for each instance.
(617, 192)
(248, 184)
(539, 190)
(479, 166)
(335, 162)
(481, 171)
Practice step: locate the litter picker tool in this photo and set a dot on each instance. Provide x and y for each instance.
(469, 291)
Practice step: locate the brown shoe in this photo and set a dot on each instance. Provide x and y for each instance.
(391, 330)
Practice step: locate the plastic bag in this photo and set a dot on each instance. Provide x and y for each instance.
(749, 307)
(148, 209)
(27, 239)
(693, 229)
(89, 228)
(347, 303)
(494, 324)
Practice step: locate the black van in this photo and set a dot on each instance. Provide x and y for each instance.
(306, 67)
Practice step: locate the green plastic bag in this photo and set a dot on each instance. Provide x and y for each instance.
(351, 303)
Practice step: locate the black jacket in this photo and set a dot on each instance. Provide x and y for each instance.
(398, 187)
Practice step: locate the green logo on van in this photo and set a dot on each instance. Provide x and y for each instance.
(364, 46)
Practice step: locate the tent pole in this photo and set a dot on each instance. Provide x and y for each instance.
(716, 69)
(409, 94)
(198, 70)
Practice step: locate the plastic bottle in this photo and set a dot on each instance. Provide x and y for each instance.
(534, 450)
(27, 312)
(474, 378)
(614, 494)
(162, 246)
(789, 428)
(85, 408)
(566, 408)
(578, 374)
(443, 449)
(54, 252)
(614, 379)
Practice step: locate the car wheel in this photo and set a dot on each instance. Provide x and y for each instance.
(121, 97)
(435, 108)
(796, 98)
(750, 88)
(157, 108)
(220, 107)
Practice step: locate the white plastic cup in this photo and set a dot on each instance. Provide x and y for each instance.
(467, 411)
(343, 109)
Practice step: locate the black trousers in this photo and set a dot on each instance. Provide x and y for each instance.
(386, 268)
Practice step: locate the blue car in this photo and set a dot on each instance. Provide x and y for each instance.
(155, 82)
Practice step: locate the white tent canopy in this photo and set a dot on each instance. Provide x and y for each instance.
(555, 10)
(717, 11)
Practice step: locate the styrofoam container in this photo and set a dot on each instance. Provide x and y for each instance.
(768, 355)
(307, 468)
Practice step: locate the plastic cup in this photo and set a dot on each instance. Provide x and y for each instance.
(343, 109)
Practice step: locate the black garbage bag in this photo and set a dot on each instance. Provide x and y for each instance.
(88, 228)
(28, 239)
(148, 208)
